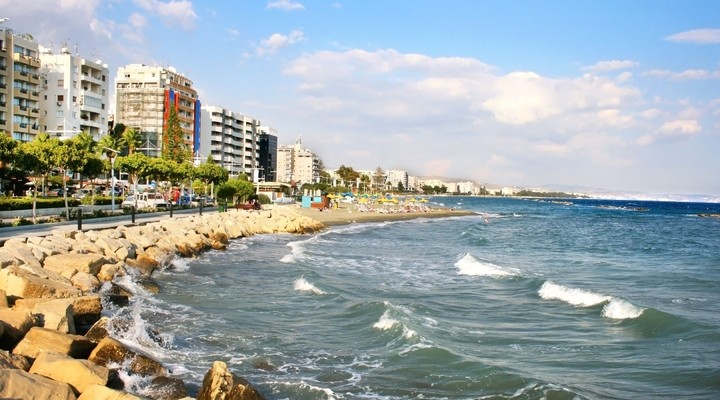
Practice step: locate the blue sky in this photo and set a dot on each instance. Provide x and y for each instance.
(621, 95)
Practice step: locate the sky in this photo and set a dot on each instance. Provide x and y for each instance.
(617, 95)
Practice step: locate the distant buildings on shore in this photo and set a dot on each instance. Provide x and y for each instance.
(63, 94)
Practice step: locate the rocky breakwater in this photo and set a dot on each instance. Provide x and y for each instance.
(54, 336)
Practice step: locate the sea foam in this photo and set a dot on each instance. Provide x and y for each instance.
(469, 265)
(576, 297)
(304, 286)
(621, 309)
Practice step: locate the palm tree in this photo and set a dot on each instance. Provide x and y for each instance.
(132, 139)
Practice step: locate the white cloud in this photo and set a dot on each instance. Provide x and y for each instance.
(680, 127)
(699, 36)
(285, 5)
(690, 74)
(277, 41)
(173, 12)
(672, 129)
(613, 65)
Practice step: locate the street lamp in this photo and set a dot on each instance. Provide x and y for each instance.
(111, 155)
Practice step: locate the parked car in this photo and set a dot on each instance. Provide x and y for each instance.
(145, 200)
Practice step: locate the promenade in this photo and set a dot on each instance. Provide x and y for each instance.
(91, 224)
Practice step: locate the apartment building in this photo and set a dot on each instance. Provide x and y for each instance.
(296, 164)
(268, 146)
(395, 176)
(143, 97)
(231, 139)
(19, 85)
(75, 95)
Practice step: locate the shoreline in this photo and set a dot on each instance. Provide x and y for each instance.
(348, 215)
(50, 282)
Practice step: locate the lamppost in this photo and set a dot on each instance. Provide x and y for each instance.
(111, 153)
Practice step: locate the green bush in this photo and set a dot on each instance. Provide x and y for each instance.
(25, 203)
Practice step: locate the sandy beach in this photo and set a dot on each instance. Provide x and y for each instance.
(348, 214)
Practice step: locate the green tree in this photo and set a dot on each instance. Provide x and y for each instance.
(131, 139)
(7, 155)
(110, 141)
(174, 147)
(348, 175)
(70, 155)
(210, 172)
(134, 165)
(38, 157)
(379, 178)
(7, 149)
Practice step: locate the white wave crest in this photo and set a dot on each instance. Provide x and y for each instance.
(469, 265)
(385, 322)
(303, 285)
(576, 297)
(621, 309)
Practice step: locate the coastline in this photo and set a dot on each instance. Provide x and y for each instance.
(348, 215)
(52, 275)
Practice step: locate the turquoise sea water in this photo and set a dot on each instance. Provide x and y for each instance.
(528, 299)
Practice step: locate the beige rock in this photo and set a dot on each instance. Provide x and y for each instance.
(111, 350)
(221, 384)
(18, 384)
(167, 388)
(108, 245)
(39, 339)
(88, 263)
(87, 310)
(16, 323)
(56, 242)
(86, 247)
(6, 259)
(56, 314)
(8, 360)
(99, 392)
(18, 282)
(98, 331)
(3, 299)
(77, 373)
(22, 253)
(85, 282)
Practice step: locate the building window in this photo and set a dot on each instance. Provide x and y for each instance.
(61, 82)
(60, 97)
(59, 113)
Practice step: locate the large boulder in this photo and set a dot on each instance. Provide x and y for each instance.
(99, 392)
(56, 314)
(25, 282)
(110, 350)
(13, 361)
(221, 384)
(68, 264)
(15, 323)
(18, 384)
(77, 373)
(38, 340)
(22, 253)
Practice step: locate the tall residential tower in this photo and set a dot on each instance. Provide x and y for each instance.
(144, 95)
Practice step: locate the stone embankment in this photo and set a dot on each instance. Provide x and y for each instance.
(53, 337)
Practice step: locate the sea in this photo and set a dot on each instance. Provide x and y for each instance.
(523, 299)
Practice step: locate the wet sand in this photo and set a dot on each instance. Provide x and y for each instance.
(348, 214)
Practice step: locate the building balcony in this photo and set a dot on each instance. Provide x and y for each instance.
(23, 59)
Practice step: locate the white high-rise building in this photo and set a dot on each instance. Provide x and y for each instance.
(297, 165)
(19, 86)
(75, 94)
(231, 139)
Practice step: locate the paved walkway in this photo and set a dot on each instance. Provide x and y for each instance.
(93, 223)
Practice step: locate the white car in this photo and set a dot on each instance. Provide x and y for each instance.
(145, 200)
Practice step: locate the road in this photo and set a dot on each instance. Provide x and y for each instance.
(94, 223)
